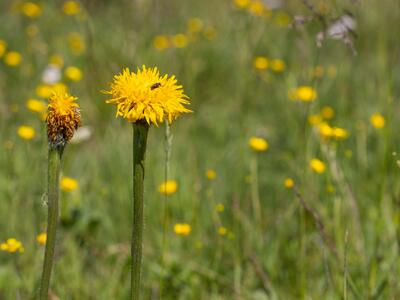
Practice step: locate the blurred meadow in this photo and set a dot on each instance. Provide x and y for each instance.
(282, 184)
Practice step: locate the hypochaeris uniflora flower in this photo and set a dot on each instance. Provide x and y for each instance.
(147, 96)
(63, 118)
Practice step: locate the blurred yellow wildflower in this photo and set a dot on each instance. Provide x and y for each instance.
(195, 25)
(327, 112)
(12, 245)
(211, 174)
(71, 8)
(288, 183)
(13, 58)
(180, 40)
(147, 96)
(377, 120)
(182, 229)
(258, 144)
(26, 132)
(36, 106)
(161, 42)
(331, 71)
(41, 238)
(317, 166)
(242, 3)
(168, 187)
(3, 47)
(303, 93)
(219, 207)
(277, 65)
(260, 63)
(31, 9)
(44, 90)
(68, 184)
(73, 73)
(327, 131)
(340, 133)
(315, 119)
(56, 60)
(318, 71)
(222, 230)
(210, 33)
(258, 8)
(76, 43)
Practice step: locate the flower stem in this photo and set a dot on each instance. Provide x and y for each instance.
(53, 194)
(140, 131)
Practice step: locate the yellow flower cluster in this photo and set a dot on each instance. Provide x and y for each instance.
(12, 245)
(262, 63)
(303, 93)
(31, 9)
(182, 229)
(71, 8)
(255, 7)
(168, 187)
(325, 130)
(258, 144)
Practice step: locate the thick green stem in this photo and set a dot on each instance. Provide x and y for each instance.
(53, 194)
(140, 131)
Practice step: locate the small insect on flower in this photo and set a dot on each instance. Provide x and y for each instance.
(155, 86)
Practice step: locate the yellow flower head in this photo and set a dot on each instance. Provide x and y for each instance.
(36, 106)
(71, 8)
(317, 166)
(278, 65)
(73, 73)
(242, 3)
(219, 207)
(314, 119)
(31, 9)
(258, 144)
(147, 96)
(222, 230)
(168, 187)
(303, 93)
(63, 118)
(3, 47)
(68, 184)
(26, 132)
(260, 63)
(12, 245)
(76, 43)
(161, 42)
(327, 112)
(377, 121)
(41, 239)
(211, 174)
(288, 183)
(13, 58)
(182, 229)
(180, 40)
(195, 25)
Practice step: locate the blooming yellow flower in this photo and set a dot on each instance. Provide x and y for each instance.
(277, 65)
(260, 63)
(73, 73)
(340, 133)
(76, 43)
(71, 8)
(377, 120)
(68, 184)
(26, 132)
(44, 90)
(56, 60)
(13, 58)
(147, 96)
(63, 118)
(314, 119)
(168, 187)
(42, 238)
(182, 229)
(210, 33)
(3, 47)
(211, 174)
(31, 9)
(219, 207)
(180, 40)
(242, 3)
(303, 93)
(288, 183)
(317, 166)
(222, 230)
(161, 42)
(12, 245)
(258, 144)
(195, 25)
(327, 112)
(257, 8)
(325, 130)
(36, 106)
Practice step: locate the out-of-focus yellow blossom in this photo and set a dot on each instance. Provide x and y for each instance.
(195, 25)
(219, 207)
(222, 230)
(26, 132)
(260, 63)
(56, 60)
(327, 112)
(340, 133)
(377, 120)
(161, 42)
(31, 30)
(211, 174)
(168, 187)
(76, 43)
(44, 90)
(288, 183)
(3, 47)
(68, 184)
(258, 8)
(331, 71)
(242, 3)
(13, 58)
(317, 166)
(318, 71)
(326, 131)
(12, 245)
(59, 86)
(31, 9)
(182, 229)
(71, 8)
(42, 238)
(73, 73)
(277, 65)
(315, 119)
(180, 40)
(258, 144)
(36, 106)
(210, 33)
(282, 19)
(303, 93)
